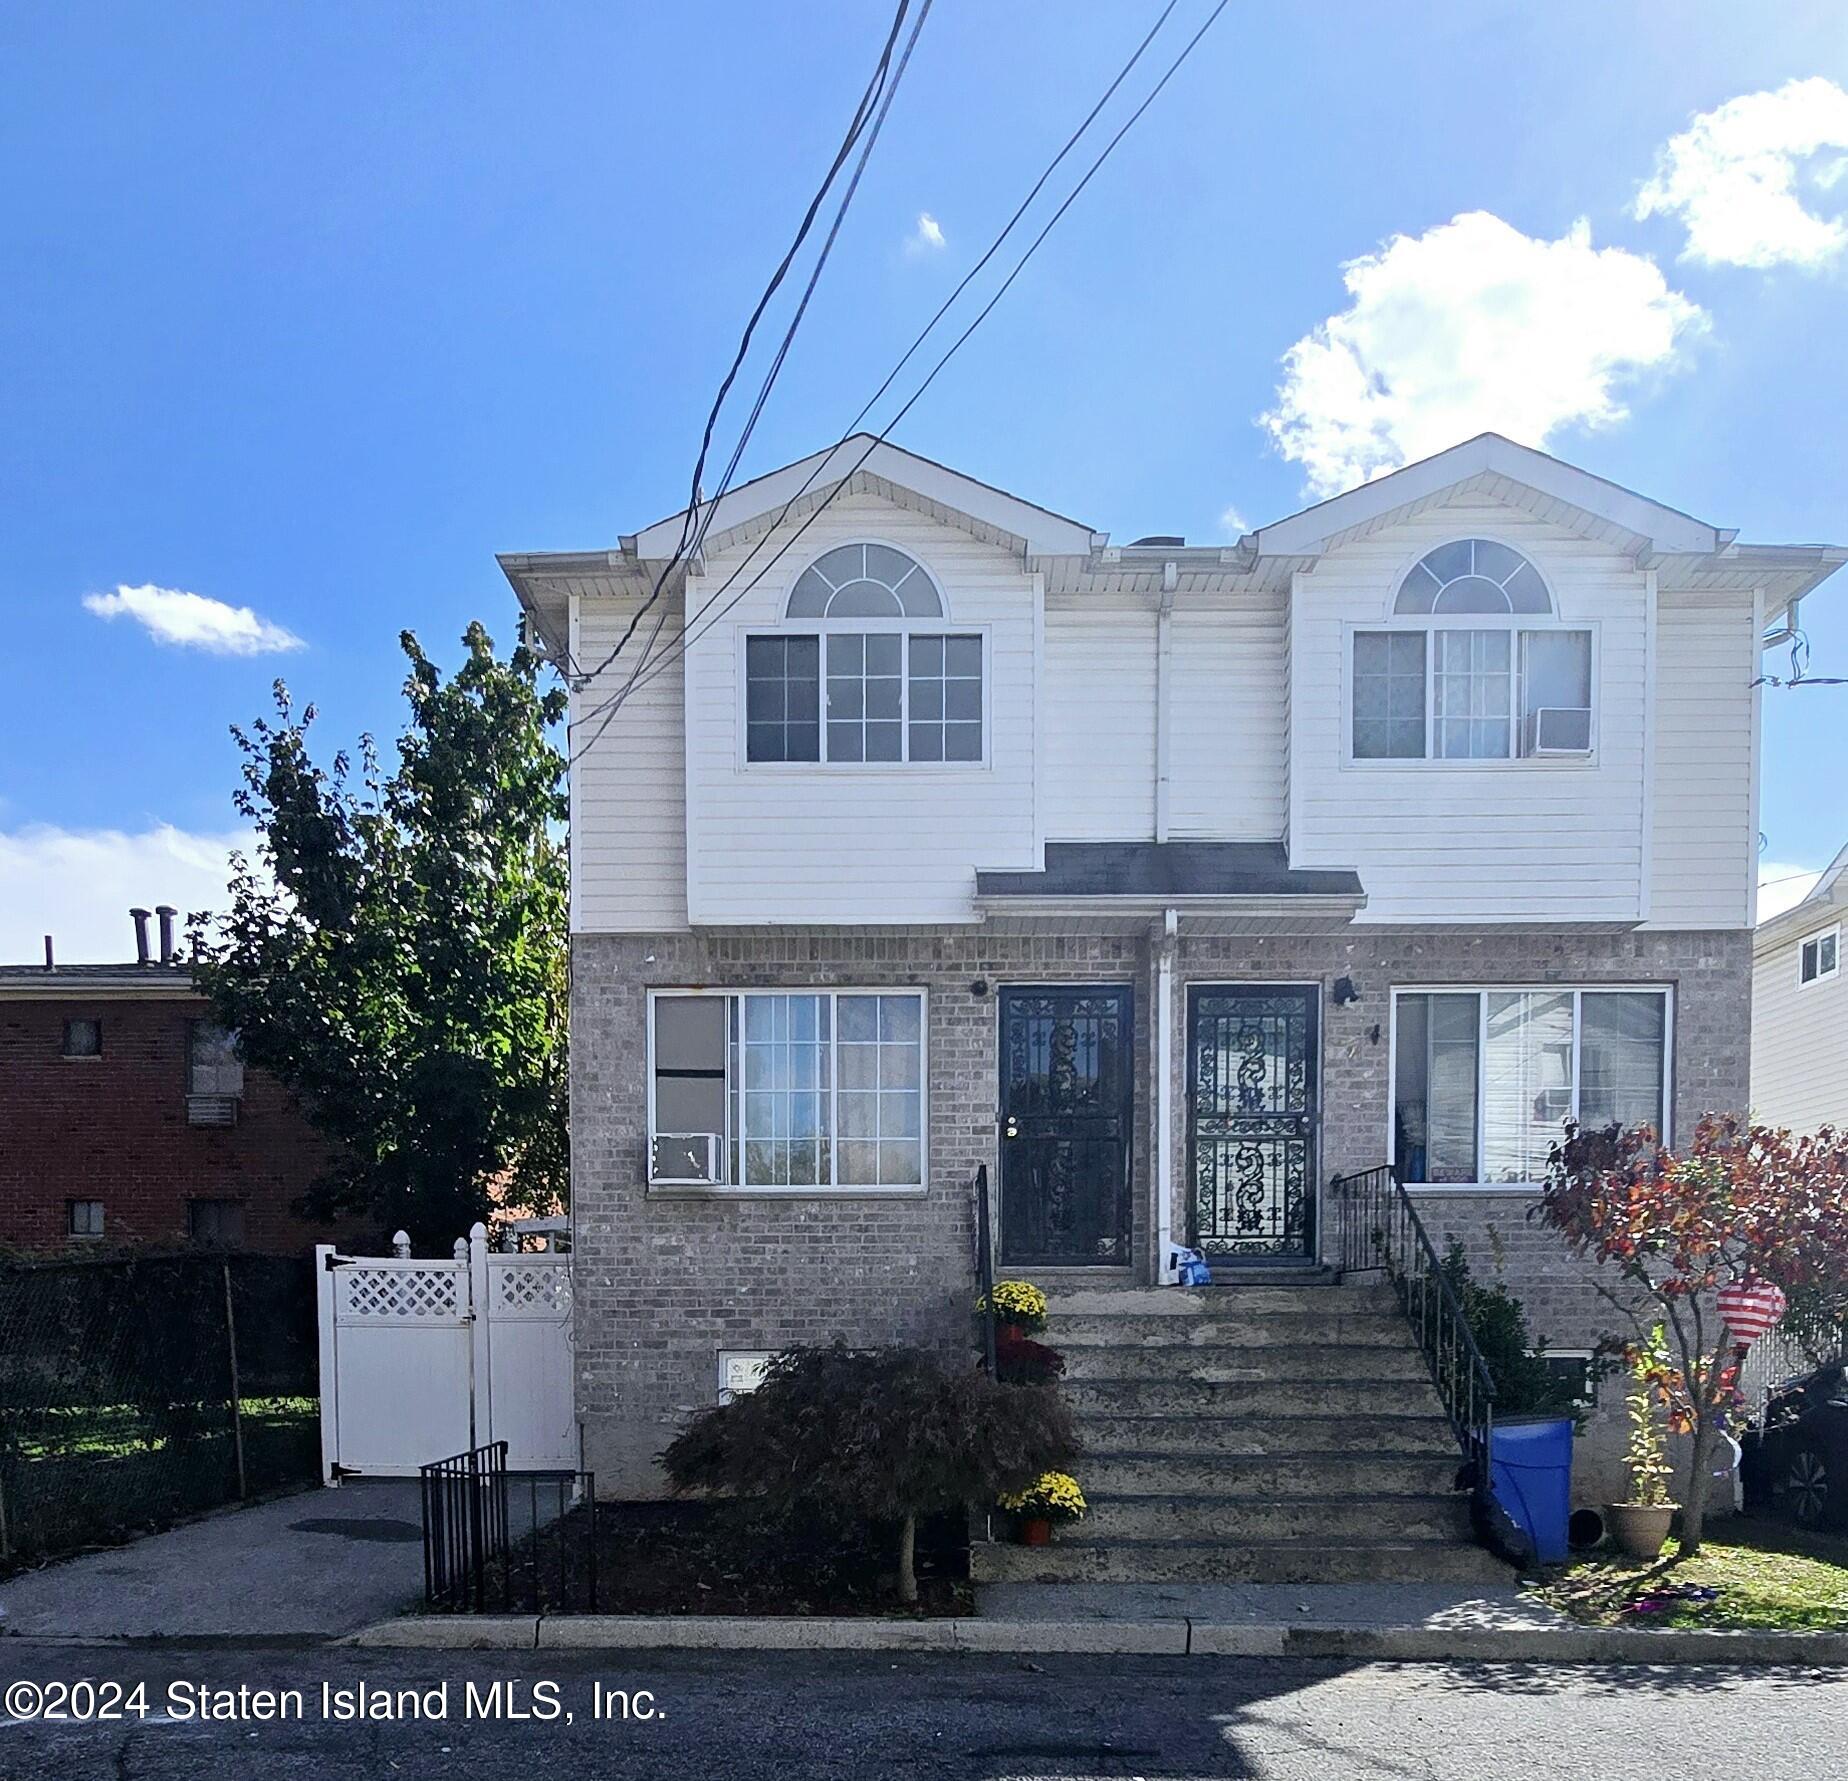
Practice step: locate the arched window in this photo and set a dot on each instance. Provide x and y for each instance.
(867, 672)
(864, 581)
(1473, 667)
(1473, 575)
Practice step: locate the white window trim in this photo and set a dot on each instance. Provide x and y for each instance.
(700, 1190)
(1424, 624)
(1589, 1356)
(936, 587)
(823, 628)
(1815, 939)
(1482, 992)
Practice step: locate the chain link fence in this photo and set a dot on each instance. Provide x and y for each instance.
(137, 1390)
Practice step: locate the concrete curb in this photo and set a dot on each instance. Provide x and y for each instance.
(1169, 1638)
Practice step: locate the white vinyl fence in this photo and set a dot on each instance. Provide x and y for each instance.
(424, 1359)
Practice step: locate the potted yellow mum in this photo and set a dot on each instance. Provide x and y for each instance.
(1050, 1498)
(1019, 1304)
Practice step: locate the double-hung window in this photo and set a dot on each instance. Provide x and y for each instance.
(1485, 1079)
(787, 1091)
(1473, 666)
(879, 681)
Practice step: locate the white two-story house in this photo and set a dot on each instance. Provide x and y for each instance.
(1168, 882)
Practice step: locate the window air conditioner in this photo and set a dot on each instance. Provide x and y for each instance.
(684, 1158)
(1559, 729)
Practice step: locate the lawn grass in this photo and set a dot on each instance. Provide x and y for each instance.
(1766, 1577)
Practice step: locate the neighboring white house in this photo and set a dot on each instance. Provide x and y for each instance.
(1164, 881)
(1800, 1010)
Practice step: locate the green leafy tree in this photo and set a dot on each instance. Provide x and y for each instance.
(881, 1434)
(395, 950)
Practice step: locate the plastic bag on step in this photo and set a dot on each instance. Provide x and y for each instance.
(1189, 1267)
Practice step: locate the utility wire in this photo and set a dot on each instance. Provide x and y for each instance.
(776, 365)
(924, 333)
(863, 112)
(701, 622)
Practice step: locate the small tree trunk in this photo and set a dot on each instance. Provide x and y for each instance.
(907, 1561)
(1694, 1499)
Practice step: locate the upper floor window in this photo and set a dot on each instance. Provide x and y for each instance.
(1459, 676)
(868, 685)
(865, 581)
(1819, 957)
(83, 1038)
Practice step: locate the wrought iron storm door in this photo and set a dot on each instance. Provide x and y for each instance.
(1067, 1113)
(1251, 1098)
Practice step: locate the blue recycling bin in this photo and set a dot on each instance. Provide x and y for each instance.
(1530, 1477)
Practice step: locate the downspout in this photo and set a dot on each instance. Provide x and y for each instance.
(1165, 1273)
(1164, 655)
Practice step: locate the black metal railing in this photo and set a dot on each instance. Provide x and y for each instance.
(500, 1542)
(1381, 1232)
(985, 1266)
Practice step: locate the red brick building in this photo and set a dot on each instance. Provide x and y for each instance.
(125, 1116)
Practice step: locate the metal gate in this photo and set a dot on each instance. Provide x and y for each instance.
(423, 1358)
(1251, 1097)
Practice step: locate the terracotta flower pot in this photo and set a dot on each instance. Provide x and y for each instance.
(1638, 1530)
(1035, 1530)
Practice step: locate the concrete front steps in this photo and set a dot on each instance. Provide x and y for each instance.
(1262, 1433)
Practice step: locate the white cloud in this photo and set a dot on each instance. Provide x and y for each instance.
(1782, 886)
(1232, 523)
(193, 621)
(1471, 327)
(926, 236)
(1731, 177)
(78, 885)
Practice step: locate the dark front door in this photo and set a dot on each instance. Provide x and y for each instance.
(1251, 1099)
(1067, 1099)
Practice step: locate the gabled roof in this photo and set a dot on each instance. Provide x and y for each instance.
(1824, 899)
(1687, 552)
(1040, 531)
(1491, 459)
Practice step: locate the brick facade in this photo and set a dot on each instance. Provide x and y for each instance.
(666, 1281)
(114, 1128)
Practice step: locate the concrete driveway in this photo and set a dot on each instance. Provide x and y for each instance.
(322, 1563)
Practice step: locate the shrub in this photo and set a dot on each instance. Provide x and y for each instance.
(1524, 1384)
(1018, 1305)
(1019, 1360)
(882, 1434)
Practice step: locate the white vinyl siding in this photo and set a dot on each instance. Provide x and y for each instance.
(1227, 728)
(628, 788)
(1100, 725)
(1703, 853)
(1551, 841)
(1799, 1039)
(824, 844)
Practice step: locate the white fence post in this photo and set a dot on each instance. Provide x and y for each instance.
(481, 1399)
(401, 1245)
(330, 1385)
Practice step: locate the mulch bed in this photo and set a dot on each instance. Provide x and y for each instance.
(729, 1558)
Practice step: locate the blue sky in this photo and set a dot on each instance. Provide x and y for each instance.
(310, 311)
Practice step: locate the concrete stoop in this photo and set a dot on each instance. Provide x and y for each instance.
(1268, 1433)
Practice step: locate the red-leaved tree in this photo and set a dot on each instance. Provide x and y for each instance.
(1742, 1204)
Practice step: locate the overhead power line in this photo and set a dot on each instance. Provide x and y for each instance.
(876, 89)
(691, 549)
(697, 624)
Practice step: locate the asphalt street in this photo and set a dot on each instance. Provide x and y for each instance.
(759, 1715)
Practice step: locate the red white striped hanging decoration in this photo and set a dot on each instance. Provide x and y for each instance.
(1750, 1310)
